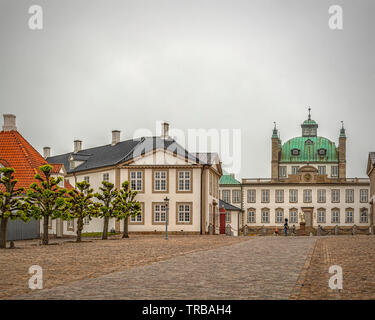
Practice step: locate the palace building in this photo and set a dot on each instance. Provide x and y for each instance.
(308, 175)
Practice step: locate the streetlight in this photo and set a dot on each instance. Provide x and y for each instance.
(166, 200)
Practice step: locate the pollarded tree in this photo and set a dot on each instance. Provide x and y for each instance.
(128, 206)
(108, 207)
(46, 199)
(81, 205)
(11, 203)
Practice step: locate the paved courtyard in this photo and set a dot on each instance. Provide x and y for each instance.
(255, 268)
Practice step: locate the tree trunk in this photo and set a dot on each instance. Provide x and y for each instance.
(126, 228)
(79, 229)
(105, 228)
(3, 233)
(45, 230)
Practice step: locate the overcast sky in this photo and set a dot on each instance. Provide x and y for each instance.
(120, 64)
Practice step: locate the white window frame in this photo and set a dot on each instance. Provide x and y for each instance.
(293, 194)
(282, 171)
(321, 195)
(321, 216)
(279, 216)
(322, 170)
(307, 195)
(333, 193)
(184, 180)
(347, 216)
(226, 198)
(86, 178)
(106, 176)
(279, 195)
(349, 195)
(265, 196)
(251, 216)
(136, 180)
(362, 211)
(334, 171)
(161, 180)
(295, 169)
(184, 212)
(251, 196)
(265, 214)
(236, 196)
(363, 195)
(160, 212)
(335, 216)
(293, 216)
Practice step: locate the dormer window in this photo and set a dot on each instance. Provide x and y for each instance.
(308, 141)
(322, 152)
(295, 152)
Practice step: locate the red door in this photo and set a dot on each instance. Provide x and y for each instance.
(222, 223)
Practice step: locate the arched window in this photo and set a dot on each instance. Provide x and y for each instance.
(279, 215)
(364, 215)
(349, 215)
(251, 215)
(265, 215)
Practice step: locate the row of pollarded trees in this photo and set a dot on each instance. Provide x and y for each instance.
(46, 200)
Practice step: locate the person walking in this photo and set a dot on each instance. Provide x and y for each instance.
(286, 227)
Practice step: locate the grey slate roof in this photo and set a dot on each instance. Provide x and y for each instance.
(207, 157)
(109, 155)
(228, 206)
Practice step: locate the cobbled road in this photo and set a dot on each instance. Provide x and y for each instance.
(261, 268)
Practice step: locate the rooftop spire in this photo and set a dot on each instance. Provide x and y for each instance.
(309, 113)
(342, 130)
(274, 132)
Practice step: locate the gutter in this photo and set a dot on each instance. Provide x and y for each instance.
(201, 216)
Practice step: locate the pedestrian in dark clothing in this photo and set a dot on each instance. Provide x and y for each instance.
(286, 227)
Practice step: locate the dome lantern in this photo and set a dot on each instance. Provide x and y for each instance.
(309, 127)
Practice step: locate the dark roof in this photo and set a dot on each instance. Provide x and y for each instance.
(123, 151)
(207, 157)
(228, 206)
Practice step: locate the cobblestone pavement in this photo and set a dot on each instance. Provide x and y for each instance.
(65, 261)
(354, 254)
(260, 268)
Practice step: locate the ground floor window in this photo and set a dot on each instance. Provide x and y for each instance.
(349, 216)
(293, 216)
(70, 225)
(159, 213)
(227, 217)
(251, 216)
(335, 216)
(183, 212)
(364, 216)
(86, 220)
(265, 216)
(279, 216)
(321, 216)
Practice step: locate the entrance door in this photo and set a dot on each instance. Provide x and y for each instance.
(222, 223)
(308, 217)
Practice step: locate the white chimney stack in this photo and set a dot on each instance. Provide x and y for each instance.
(46, 152)
(9, 122)
(165, 130)
(115, 137)
(77, 145)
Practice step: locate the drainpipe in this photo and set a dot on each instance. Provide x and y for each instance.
(201, 227)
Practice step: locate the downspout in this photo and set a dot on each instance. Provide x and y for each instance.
(241, 213)
(201, 217)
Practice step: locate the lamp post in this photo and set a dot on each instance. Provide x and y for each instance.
(166, 200)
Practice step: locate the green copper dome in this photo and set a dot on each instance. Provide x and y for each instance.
(309, 121)
(310, 149)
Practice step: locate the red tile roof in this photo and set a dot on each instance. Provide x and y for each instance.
(67, 185)
(17, 153)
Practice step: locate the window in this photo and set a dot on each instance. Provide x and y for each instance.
(184, 180)
(293, 195)
(159, 213)
(322, 152)
(226, 196)
(139, 218)
(86, 220)
(106, 177)
(210, 215)
(321, 170)
(282, 171)
(335, 195)
(349, 216)
(265, 196)
(136, 180)
(279, 196)
(293, 217)
(251, 196)
(364, 216)
(295, 169)
(321, 215)
(279, 218)
(334, 171)
(349, 195)
(307, 195)
(363, 195)
(335, 215)
(251, 216)
(236, 196)
(87, 179)
(183, 212)
(321, 195)
(227, 217)
(70, 225)
(160, 181)
(265, 216)
(295, 152)
(210, 183)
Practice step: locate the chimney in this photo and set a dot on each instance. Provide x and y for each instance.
(9, 122)
(77, 145)
(46, 152)
(165, 130)
(115, 137)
